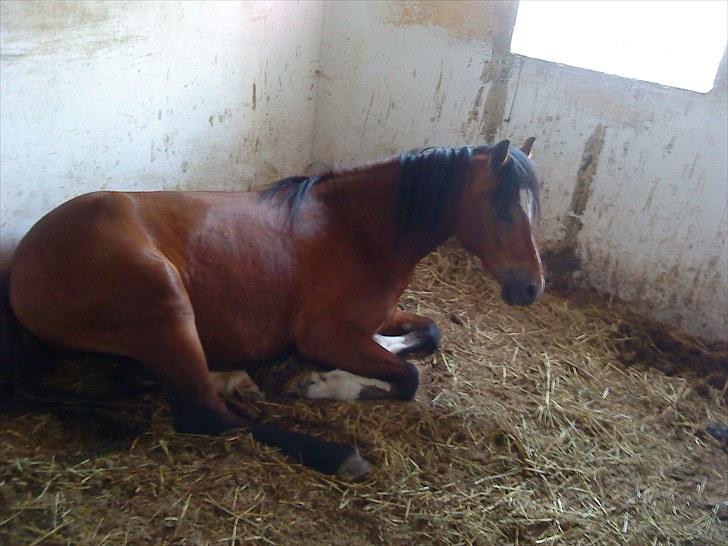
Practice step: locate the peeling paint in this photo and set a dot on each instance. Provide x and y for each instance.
(496, 99)
(562, 259)
(584, 185)
(463, 20)
(439, 98)
(56, 16)
(474, 112)
(366, 117)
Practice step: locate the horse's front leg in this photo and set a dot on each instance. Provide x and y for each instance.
(406, 333)
(364, 369)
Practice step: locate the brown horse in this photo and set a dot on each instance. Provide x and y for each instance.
(175, 280)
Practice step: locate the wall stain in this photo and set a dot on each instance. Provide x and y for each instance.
(390, 106)
(474, 112)
(474, 21)
(53, 17)
(584, 183)
(225, 116)
(439, 97)
(670, 145)
(496, 100)
(495, 77)
(254, 97)
(562, 259)
(366, 117)
(80, 28)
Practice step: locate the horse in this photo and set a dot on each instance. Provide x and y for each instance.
(177, 280)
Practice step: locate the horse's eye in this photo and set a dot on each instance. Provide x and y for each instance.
(505, 215)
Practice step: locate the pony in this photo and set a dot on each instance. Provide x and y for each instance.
(179, 280)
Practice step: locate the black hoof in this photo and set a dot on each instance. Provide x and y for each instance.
(328, 457)
(428, 340)
(355, 467)
(190, 418)
(407, 383)
(719, 432)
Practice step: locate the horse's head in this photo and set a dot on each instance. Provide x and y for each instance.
(498, 208)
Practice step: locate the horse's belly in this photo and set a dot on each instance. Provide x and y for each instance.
(243, 319)
(244, 338)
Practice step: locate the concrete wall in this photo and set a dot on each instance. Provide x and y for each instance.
(634, 174)
(142, 95)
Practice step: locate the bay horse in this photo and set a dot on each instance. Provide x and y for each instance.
(175, 280)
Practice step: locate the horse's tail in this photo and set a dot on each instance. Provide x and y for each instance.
(7, 341)
(21, 355)
(12, 348)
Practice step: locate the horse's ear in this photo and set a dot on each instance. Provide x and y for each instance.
(526, 146)
(499, 155)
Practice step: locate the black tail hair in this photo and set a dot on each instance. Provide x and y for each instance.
(19, 353)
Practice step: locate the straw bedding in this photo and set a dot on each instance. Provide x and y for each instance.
(562, 423)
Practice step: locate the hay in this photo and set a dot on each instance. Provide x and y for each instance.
(528, 429)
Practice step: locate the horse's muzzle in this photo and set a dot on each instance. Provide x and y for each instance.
(521, 288)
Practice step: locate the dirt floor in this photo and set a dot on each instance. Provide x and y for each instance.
(560, 423)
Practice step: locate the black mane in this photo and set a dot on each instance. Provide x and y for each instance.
(292, 191)
(430, 182)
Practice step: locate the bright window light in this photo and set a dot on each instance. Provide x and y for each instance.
(677, 43)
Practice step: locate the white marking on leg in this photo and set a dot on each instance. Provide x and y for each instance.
(395, 344)
(336, 385)
(235, 383)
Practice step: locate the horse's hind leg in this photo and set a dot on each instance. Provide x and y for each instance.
(175, 355)
(180, 364)
(131, 377)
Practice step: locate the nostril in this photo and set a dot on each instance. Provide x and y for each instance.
(531, 291)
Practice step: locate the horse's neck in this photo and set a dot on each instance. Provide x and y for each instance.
(365, 201)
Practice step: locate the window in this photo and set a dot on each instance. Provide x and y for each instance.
(677, 43)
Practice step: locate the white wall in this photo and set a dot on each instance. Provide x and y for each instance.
(143, 95)
(635, 174)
